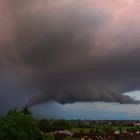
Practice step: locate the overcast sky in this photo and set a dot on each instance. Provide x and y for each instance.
(92, 111)
(76, 57)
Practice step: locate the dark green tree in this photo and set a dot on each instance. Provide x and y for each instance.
(19, 126)
(44, 125)
(107, 129)
(120, 129)
(61, 125)
(26, 111)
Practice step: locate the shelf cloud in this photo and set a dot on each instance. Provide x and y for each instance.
(70, 51)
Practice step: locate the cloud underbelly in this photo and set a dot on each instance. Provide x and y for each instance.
(69, 52)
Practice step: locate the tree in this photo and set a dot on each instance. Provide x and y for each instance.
(120, 129)
(19, 126)
(26, 111)
(107, 129)
(44, 125)
(61, 125)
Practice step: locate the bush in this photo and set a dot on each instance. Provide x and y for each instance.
(61, 125)
(44, 125)
(48, 137)
(18, 125)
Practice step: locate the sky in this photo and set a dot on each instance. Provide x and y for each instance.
(90, 110)
(71, 59)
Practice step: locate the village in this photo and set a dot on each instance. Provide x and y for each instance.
(21, 125)
(103, 130)
(67, 135)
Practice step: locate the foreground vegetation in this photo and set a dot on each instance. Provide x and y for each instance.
(20, 125)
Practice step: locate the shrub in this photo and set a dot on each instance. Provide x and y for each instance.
(18, 125)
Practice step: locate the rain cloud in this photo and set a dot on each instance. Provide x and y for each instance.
(69, 51)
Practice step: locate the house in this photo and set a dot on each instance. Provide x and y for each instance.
(62, 134)
(83, 136)
(136, 137)
(67, 132)
(108, 137)
(123, 137)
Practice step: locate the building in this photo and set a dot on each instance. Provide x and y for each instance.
(83, 136)
(62, 134)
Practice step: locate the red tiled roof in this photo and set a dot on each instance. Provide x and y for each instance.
(80, 135)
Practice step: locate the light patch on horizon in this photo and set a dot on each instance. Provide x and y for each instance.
(87, 110)
(134, 94)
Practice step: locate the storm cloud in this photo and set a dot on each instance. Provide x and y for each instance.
(69, 51)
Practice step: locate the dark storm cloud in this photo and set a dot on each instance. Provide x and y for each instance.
(68, 51)
(9, 93)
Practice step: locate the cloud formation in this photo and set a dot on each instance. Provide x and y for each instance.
(69, 51)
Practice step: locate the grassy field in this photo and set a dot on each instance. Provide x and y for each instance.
(115, 128)
(74, 130)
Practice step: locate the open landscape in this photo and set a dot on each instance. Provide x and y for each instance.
(69, 69)
(20, 125)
